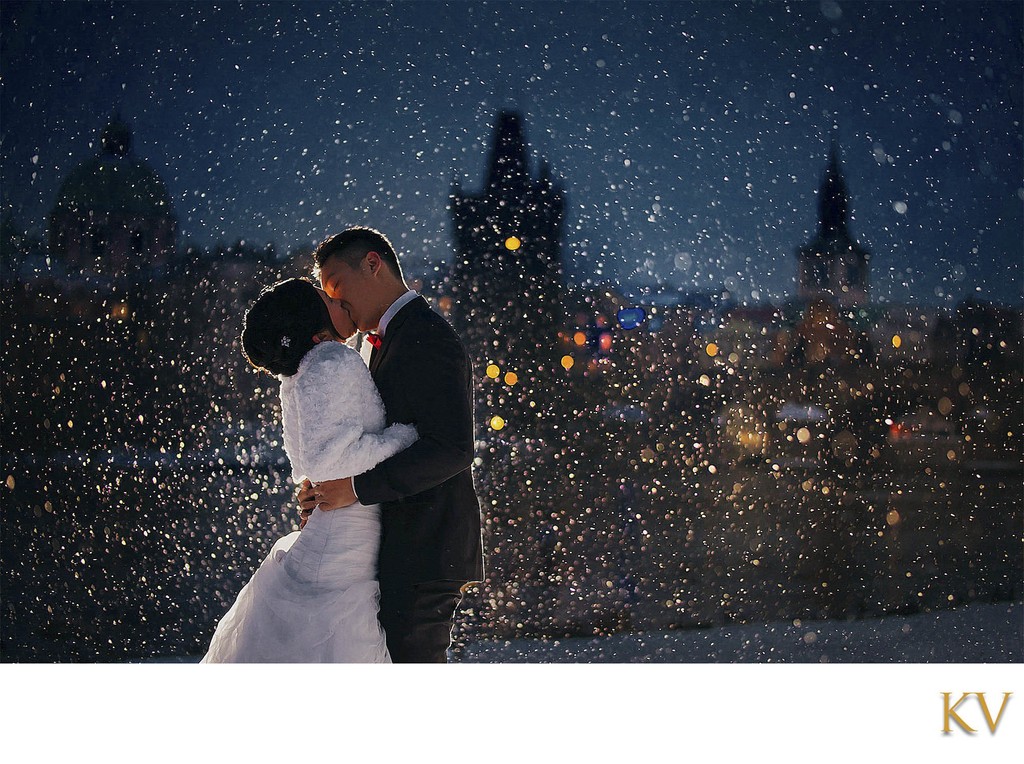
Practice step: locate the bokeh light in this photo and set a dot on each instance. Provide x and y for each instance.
(631, 318)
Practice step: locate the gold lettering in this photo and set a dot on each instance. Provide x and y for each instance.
(988, 716)
(950, 712)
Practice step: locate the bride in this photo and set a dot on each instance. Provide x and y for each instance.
(314, 598)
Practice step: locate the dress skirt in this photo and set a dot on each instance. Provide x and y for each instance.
(314, 599)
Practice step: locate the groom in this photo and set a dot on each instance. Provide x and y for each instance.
(430, 517)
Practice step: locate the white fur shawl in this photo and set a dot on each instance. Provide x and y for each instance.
(334, 419)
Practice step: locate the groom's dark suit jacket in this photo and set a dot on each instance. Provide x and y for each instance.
(430, 514)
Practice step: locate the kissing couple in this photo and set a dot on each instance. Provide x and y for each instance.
(381, 449)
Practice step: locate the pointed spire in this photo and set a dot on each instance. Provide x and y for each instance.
(507, 168)
(832, 198)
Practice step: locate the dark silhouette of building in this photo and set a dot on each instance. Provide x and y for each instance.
(113, 214)
(989, 335)
(506, 278)
(833, 266)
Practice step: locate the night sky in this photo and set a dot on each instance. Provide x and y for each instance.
(691, 137)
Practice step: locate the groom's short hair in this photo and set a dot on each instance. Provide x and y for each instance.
(352, 244)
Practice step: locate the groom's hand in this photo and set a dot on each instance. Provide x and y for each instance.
(331, 494)
(334, 494)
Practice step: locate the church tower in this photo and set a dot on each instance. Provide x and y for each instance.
(505, 281)
(833, 266)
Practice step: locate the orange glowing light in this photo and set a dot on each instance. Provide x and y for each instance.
(896, 341)
(711, 349)
(567, 362)
(580, 339)
(511, 378)
(512, 243)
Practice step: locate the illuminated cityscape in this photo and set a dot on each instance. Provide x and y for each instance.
(702, 418)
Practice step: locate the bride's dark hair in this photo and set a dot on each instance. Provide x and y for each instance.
(278, 328)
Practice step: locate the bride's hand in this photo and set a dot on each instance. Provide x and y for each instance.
(306, 498)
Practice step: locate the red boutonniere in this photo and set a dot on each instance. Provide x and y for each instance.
(374, 339)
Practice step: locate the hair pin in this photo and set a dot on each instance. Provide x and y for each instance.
(286, 341)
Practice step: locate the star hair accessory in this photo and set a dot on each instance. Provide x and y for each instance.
(286, 341)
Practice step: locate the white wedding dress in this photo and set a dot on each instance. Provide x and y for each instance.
(314, 598)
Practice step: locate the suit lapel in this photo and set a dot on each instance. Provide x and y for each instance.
(394, 327)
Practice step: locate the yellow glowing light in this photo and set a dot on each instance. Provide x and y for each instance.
(512, 243)
(580, 339)
(511, 378)
(497, 423)
(567, 362)
(896, 341)
(803, 435)
(752, 440)
(711, 349)
(120, 310)
(493, 371)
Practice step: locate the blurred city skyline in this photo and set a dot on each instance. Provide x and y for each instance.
(645, 462)
(691, 137)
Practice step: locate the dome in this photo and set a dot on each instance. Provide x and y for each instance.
(110, 184)
(113, 214)
(114, 182)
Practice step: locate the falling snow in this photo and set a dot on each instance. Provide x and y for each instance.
(741, 284)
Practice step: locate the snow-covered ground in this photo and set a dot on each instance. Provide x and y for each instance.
(982, 633)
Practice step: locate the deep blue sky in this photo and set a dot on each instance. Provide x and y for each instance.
(691, 137)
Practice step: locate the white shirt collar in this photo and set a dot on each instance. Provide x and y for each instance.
(396, 306)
